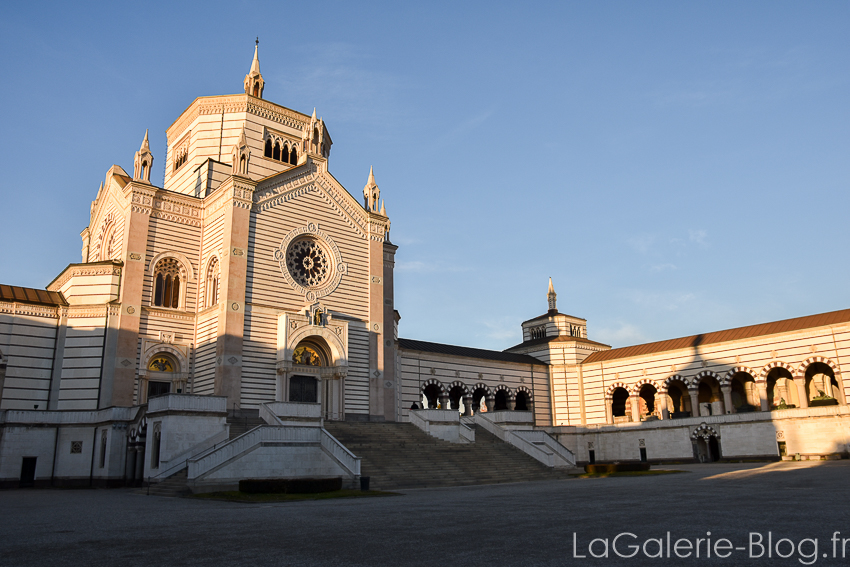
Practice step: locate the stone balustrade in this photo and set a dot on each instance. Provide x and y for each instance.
(187, 403)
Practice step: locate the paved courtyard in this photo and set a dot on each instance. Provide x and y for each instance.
(519, 524)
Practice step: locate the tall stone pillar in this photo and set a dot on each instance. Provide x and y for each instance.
(391, 382)
(661, 404)
(801, 391)
(694, 394)
(491, 402)
(727, 399)
(763, 401)
(467, 404)
(635, 403)
(238, 192)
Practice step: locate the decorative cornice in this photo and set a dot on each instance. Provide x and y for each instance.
(86, 312)
(83, 270)
(236, 103)
(157, 313)
(14, 308)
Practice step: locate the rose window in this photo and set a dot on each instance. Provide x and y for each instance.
(308, 262)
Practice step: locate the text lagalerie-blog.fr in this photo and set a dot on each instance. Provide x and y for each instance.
(757, 546)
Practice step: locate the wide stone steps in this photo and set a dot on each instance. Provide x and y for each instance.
(399, 455)
(173, 486)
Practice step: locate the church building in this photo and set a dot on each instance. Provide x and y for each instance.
(214, 327)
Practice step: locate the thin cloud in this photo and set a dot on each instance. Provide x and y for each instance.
(622, 335)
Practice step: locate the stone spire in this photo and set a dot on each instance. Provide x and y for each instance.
(143, 162)
(371, 193)
(254, 82)
(551, 296)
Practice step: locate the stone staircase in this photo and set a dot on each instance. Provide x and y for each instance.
(243, 421)
(173, 486)
(399, 455)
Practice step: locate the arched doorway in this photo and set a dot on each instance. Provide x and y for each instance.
(161, 372)
(706, 442)
(304, 386)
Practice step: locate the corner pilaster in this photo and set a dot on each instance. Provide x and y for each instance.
(234, 267)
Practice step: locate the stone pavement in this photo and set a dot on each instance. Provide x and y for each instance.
(510, 524)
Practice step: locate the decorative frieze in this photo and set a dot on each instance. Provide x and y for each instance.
(85, 270)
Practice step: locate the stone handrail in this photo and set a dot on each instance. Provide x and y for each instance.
(175, 464)
(511, 416)
(70, 417)
(340, 453)
(466, 433)
(563, 456)
(267, 415)
(437, 415)
(301, 410)
(510, 437)
(187, 402)
(204, 464)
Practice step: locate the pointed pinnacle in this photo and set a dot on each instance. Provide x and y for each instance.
(371, 180)
(551, 287)
(145, 144)
(383, 210)
(255, 64)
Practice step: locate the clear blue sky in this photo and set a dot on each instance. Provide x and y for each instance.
(675, 167)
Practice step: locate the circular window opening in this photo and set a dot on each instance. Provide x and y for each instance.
(308, 262)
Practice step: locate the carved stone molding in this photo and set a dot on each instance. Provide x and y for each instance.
(338, 267)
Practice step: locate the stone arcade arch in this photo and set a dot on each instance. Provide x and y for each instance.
(617, 403)
(743, 390)
(433, 394)
(458, 394)
(781, 390)
(481, 392)
(503, 399)
(524, 399)
(822, 382)
(677, 396)
(710, 396)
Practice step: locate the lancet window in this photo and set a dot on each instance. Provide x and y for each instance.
(167, 283)
(281, 151)
(212, 283)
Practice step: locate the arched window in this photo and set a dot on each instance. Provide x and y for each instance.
(284, 153)
(243, 165)
(257, 90)
(167, 284)
(144, 169)
(276, 151)
(293, 156)
(212, 283)
(268, 152)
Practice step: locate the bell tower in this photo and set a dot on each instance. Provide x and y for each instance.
(254, 82)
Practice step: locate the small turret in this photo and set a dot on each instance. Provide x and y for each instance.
(371, 193)
(241, 155)
(254, 82)
(143, 162)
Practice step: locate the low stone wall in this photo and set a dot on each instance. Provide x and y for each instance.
(813, 433)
